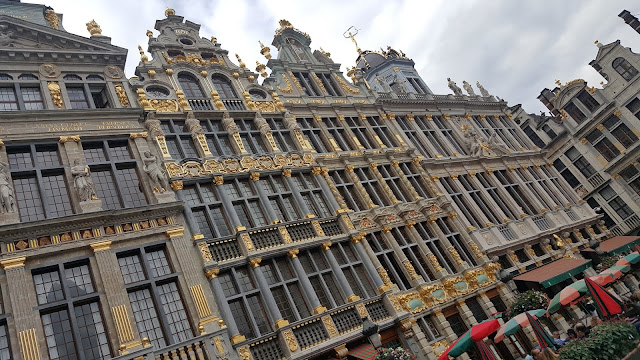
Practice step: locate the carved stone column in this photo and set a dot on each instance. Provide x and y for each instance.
(265, 133)
(332, 187)
(431, 259)
(389, 194)
(234, 134)
(85, 193)
(156, 179)
(9, 211)
(298, 138)
(223, 306)
(405, 182)
(270, 302)
(155, 131)
(414, 278)
(198, 136)
(224, 198)
(358, 241)
(358, 185)
(122, 317)
(337, 271)
(306, 284)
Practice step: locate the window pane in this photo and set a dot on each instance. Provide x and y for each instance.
(130, 186)
(8, 101)
(28, 199)
(32, 98)
(79, 280)
(48, 287)
(58, 201)
(77, 97)
(131, 269)
(158, 263)
(93, 338)
(5, 352)
(147, 322)
(59, 336)
(106, 189)
(174, 311)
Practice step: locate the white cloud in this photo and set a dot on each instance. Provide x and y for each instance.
(514, 48)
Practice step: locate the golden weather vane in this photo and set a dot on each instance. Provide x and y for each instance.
(352, 36)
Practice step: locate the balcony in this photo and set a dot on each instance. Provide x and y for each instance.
(201, 104)
(198, 348)
(234, 104)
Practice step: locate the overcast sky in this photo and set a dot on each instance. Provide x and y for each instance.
(515, 48)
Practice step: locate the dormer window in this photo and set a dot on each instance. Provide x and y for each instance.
(223, 87)
(185, 41)
(588, 101)
(624, 68)
(190, 86)
(157, 92)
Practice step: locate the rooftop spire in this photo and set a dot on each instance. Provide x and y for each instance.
(352, 37)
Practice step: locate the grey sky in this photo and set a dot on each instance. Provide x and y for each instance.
(514, 48)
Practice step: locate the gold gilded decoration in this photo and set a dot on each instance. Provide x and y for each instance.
(169, 12)
(254, 176)
(100, 245)
(346, 87)
(286, 238)
(265, 106)
(255, 262)
(56, 96)
(174, 232)
(94, 28)
(331, 328)
(446, 116)
(123, 325)
(410, 269)
(201, 301)
(318, 82)
(265, 50)
(163, 106)
(353, 297)
(317, 228)
(290, 339)
(247, 242)
(177, 185)
(395, 302)
(287, 89)
(362, 310)
(142, 99)
(64, 139)
(182, 100)
(280, 323)
(204, 251)
(212, 273)
(193, 58)
(243, 351)
(13, 262)
(357, 238)
(286, 173)
(28, 341)
(443, 345)
(232, 166)
(293, 253)
(218, 180)
(326, 245)
(49, 71)
(52, 18)
(319, 309)
(295, 81)
(218, 344)
(237, 338)
(476, 250)
(434, 262)
(455, 255)
(122, 95)
(284, 25)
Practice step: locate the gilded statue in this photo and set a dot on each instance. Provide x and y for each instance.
(468, 88)
(452, 85)
(483, 91)
(82, 181)
(7, 200)
(158, 177)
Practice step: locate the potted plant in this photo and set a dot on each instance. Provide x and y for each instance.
(611, 340)
(394, 354)
(526, 301)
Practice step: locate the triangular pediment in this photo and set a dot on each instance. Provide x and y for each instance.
(604, 49)
(21, 38)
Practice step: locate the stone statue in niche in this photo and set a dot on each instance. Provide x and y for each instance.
(483, 91)
(476, 143)
(7, 200)
(399, 84)
(298, 51)
(82, 181)
(452, 85)
(468, 88)
(158, 177)
(385, 87)
(496, 145)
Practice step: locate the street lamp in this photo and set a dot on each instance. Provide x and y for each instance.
(370, 331)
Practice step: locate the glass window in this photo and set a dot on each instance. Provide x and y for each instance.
(100, 96)
(158, 309)
(31, 97)
(217, 137)
(588, 101)
(281, 135)
(624, 68)
(8, 100)
(576, 114)
(251, 136)
(223, 87)
(77, 97)
(190, 86)
(615, 202)
(537, 141)
(313, 134)
(348, 191)
(308, 88)
(580, 162)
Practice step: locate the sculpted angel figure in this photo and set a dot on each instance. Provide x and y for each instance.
(452, 85)
(468, 88)
(483, 91)
(385, 87)
(155, 173)
(82, 181)
(7, 201)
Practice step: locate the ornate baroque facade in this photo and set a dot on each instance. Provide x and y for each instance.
(592, 135)
(192, 211)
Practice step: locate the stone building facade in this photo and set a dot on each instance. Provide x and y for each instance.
(192, 211)
(592, 134)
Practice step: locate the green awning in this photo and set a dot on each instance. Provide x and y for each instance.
(555, 272)
(619, 244)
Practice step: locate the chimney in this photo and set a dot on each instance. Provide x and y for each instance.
(631, 20)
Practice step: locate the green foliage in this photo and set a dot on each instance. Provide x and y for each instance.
(394, 354)
(611, 340)
(608, 261)
(526, 301)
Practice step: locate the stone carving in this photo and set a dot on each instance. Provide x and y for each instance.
(476, 143)
(385, 87)
(8, 39)
(7, 200)
(56, 95)
(496, 145)
(153, 125)
(94, 28)
(122, 95)
(52, 18)
(82, 181)
(113, 72)
(228, 123)
(452, 85)
(483, 91)
(158, 177)
(399, 85)
(49, 71)
(467, 87)
(193, 124)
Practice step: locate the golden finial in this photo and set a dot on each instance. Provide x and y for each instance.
(265, 50)
(214, 40)
(94, 28)
(596, 42)
(326, 53)
(240, 63)
(143, 57)
(558, 82)
(149, 33)
(169, 12)
(352, 37)
(261, 69)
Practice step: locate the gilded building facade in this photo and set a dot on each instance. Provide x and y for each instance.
(592, 134)
(193, 211)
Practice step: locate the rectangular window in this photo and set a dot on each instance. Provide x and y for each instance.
(245, 302)
(588, 101)
(251, 136)
(246, 202)
(217, 137)
(281, 135)
(100, 96)
(348, 191)
(8, 100)
(606, 148)
(32, 98)
(580, 162)
(313, 134)
(77, 97)
(308, 88)
(372, 186)
(576, 114)
(615, 202)
(634, 107)
(329, 84)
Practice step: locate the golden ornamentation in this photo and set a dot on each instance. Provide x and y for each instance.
(395, 302)
(286, 173)
(293, 253)
(122, 95)
(64, 139)
(434, 262)
(248, 243)
(446, 116)
(410, 269)
(218, 180)
(123, 325)
(243, 351)
(353, 298)
(163, 106)
(52, 18)
(286, 238)
(318, 228)
(254, 176)
(174, 232)
(346, 87)
(212, 273)
(265, 106)
(182, 100)
(318, 82)
(218, 344)
(201, 301)
(383, 275)
(100, 245)
(326, 245)
(443, 344)
(331, 328)
(284, 25)
(13, 262)
(56, 95)
(204, 251)
(255, 262)
(280, 323)
(177, 185)
(362, 310)
(455, 255)
(232, 166)
(290, 339)
(193, 58)
(357, 238)
(28, 340)
(474, 247)
(94, 28)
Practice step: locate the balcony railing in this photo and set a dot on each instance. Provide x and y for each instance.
(541, 222)
(506, 232)
(201, 104)
(232, 104)
(198, 348)
(571, 214)
(596, 180)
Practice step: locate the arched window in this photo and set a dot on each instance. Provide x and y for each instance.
(624, 68)
(190, 86)
(94, 78)
(224, 87)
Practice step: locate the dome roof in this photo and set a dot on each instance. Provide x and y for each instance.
(370, 59)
